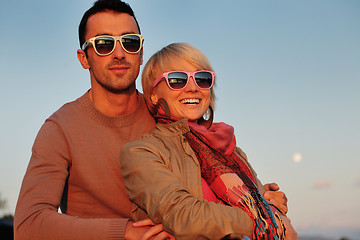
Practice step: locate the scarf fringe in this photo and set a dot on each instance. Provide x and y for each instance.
(265, 224)
(255, 205)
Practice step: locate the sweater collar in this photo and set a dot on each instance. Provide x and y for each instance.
(119, 121)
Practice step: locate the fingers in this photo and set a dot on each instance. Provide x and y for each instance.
(164, 235)
(155, 230)
(278, 196)
(272, 187)
(281, 207)
(143, 223)
(278, 199)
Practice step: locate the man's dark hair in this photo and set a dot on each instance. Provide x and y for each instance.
(104, 6)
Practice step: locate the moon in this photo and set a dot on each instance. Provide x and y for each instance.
(297, 157)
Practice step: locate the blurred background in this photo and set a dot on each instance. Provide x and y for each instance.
(288, 80)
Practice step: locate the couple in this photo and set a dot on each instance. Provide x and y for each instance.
(75, 158)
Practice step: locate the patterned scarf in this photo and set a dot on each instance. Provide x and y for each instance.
(227, 175)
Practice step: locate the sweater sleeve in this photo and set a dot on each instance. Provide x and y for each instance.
(36, 215)
(156, 189)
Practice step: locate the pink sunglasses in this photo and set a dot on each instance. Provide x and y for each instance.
(178, 80)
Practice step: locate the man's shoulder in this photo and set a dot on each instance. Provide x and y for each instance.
(68, 110)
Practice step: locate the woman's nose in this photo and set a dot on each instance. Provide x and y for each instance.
(191, 86)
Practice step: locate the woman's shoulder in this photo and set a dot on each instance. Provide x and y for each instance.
(149, 142)
(147, 139)
(140, 151)
(161, 141)
(162, 133)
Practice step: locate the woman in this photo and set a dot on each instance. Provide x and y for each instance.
(188, 173)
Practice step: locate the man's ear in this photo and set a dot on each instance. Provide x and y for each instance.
(81, 55)
(141, 56)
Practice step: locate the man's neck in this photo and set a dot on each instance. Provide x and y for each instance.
(115, 104)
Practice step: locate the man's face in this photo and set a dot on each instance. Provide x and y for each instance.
(118, 71)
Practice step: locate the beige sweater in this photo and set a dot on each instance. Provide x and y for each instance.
(78, 149)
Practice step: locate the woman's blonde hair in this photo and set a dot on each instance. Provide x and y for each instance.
(165, 60)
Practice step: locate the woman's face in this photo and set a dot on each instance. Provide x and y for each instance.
(190, 102)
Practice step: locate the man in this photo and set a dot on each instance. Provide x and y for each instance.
(75, 161)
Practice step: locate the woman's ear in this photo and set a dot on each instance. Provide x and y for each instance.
(81, 55)
(154, 98)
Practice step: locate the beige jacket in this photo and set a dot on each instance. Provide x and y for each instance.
(162, 176)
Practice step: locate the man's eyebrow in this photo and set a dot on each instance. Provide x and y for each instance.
(102, 34)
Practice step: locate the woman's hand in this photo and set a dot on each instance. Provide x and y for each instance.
(276, 197)
(156, 232)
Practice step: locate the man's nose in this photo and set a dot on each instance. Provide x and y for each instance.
(118, 51)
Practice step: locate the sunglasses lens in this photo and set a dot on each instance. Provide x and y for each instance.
(131, 43)
(204, 79)
(104, 45)
(177, 80)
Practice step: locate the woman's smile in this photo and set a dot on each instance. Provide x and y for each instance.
(190, 101)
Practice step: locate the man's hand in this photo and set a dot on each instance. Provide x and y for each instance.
(135, 233)
(276, 197)
(153, 231)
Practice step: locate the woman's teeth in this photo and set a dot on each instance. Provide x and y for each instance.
(190, 101)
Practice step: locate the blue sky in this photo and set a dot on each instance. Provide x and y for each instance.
(288, 80)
